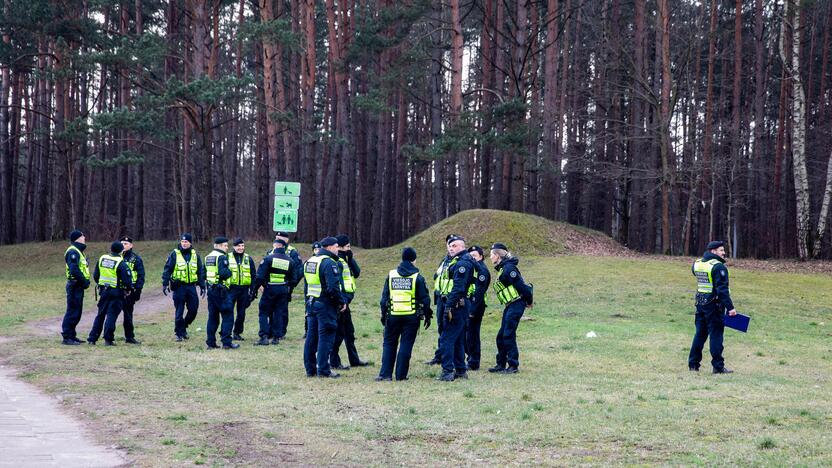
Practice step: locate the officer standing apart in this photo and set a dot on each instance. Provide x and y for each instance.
(404, 301)
(242, 271)
(276, 274)
(440, 282)
(323, 286)
(114, 283)
(77, 280)
(472, 332)
(136, 265)
(346, 329)
(513, 293)
(183, 272)
(217, 275)
(713, 299)
(456, 308)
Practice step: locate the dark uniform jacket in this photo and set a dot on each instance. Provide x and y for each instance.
(462, 275)
(125, 279)
(170, 265)
(719, 275)
(510, 276)
(265, 269)
(482, 281)
(406, 268)
(72, 258)
(134, 259)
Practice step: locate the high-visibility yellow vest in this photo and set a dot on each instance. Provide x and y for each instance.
(240, 272)
(185, 272)
(83, 265)
(402, 293)
(704, 275)
(505, 294)
(279, 277)
(212, 268)
(312, 275)
(444, 281)
(108, 270)
(346, 274)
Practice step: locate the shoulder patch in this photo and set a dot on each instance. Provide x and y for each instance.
(513, 274)
(482, 277)
(462, 269)
(722, 272)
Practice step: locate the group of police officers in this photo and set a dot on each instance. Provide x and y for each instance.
(233, 281)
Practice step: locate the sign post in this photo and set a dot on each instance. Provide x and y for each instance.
(286, 205)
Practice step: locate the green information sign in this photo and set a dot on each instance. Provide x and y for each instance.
(286, 203)
(286, 220)
(288, 189)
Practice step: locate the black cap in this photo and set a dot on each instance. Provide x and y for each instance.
(498, 245)
(187, 237)
(220, 240)
(116, 247)
(343, 240)
(328, 241)
(239, 241)
(316, 245)
(280, 242)
(475, 248)
(409, 254)
(74, 235)
(453, 238)
(281, 234)
(126, 239)
(715, 245)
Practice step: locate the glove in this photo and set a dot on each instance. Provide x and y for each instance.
(349, 254)
(165, 289)
(137, 295)
(252, 296)
(384, 319)
(427, 322)
(86, 284)
(201, 291)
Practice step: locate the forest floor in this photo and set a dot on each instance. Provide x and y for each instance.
(623, 397)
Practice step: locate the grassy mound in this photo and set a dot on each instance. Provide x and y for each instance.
(524, 234)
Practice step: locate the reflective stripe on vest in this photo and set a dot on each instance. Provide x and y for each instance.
(402, 293)
(83, 265)
(131, 264)
(312, 275)
(108, 270)
(289, 249)
(505, 294)
(346, 274)
(185, 272)
(446, 283)
(240, 272)
(704, 277)
(282, 265)
(212, 267)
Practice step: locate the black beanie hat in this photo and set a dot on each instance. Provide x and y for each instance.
(343, 240)
(715, 245)
(328, 241)
(74, 235)
(186, 236)
(220, 240)
(409, 254)
(116, 247)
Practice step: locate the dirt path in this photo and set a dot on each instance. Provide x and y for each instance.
(35, 431)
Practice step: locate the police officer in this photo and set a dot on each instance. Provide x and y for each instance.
(77, 280)
(276, 274)
(136, 265)
(240, 285)
(294, 254)
(183, 272)
(440, 280)
(115, 281)
(316, 248)
(713, 299)
(217, 275)
(456, 307)
(478, 305)
(323, 287)
(346, 329)
(404, 301)
(513, 293)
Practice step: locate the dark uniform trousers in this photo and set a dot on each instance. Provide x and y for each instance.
(184, 295)
(404, 327)
(344, 334)
(472, 337)
(219, 309)
(109, 308)
(452, 339)
(440, 327)
(274, 303)
(323, 322)
(128, 306)
(74, 306)
(239, 301)
(710, 322)
(507, 351)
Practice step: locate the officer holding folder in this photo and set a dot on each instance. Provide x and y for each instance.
(713, 299)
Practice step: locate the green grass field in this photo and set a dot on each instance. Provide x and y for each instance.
(624, 397)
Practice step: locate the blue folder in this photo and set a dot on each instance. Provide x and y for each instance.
(738, 322)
